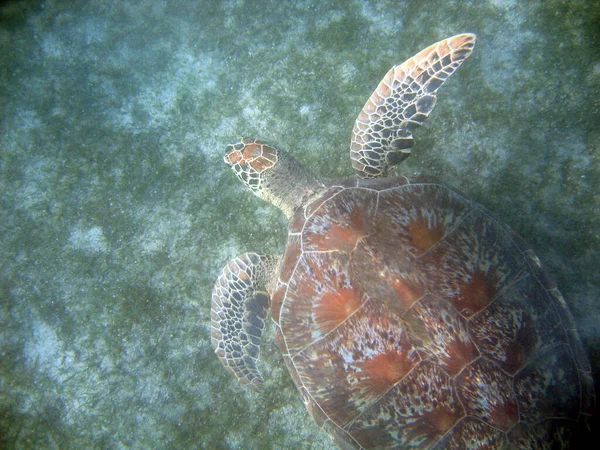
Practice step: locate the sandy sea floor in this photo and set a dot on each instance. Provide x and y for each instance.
(117, 211)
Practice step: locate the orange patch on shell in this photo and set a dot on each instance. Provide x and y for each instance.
(408, 290)
(504, 415)
(386, 369)
(334, 307)
(442, 419)
(476, 294)
(341, 237)
(421, 236)
(519, 350)
(460, 354)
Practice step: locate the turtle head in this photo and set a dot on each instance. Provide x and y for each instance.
(251, 160)
(272, 175)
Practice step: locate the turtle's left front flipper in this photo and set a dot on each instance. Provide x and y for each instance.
(382, 134)
(240, 300)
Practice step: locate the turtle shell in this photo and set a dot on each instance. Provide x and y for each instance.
(409, 317)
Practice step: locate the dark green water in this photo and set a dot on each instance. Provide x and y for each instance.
(117, 212)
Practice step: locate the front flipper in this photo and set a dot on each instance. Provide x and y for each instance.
(382, 134)
(240, 301)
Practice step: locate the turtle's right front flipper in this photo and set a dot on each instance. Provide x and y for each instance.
(240, 301)
(382, 134)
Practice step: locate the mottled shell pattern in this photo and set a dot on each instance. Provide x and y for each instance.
(410, 318)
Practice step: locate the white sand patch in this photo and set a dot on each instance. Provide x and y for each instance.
(46, 353)
(91, 240)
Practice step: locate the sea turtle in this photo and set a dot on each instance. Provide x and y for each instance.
(407, 316)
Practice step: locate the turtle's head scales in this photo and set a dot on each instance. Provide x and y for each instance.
(274, 176)
(250, 159)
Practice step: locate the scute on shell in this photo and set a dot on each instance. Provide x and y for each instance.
(409, 317)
